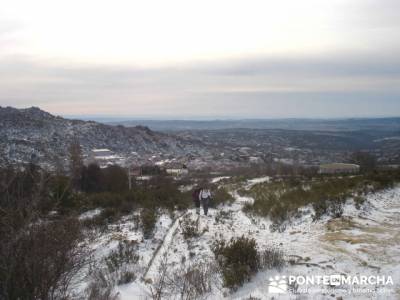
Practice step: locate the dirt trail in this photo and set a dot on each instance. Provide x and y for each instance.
(370, 239)
(164, 246)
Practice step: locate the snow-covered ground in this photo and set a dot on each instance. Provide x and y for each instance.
(255, 181)
(218, 179)
(363, 242)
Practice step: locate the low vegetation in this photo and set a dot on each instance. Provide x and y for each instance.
(148, 219)
(119, 262)
(220, 196)
(43, 244)
(239, 259)
(39, 255)
(283, 199)
(189, 227)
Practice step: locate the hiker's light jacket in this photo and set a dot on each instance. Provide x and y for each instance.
(204, 194)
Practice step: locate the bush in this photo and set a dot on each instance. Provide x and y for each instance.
(61, 193)
(115, 179)
(189, 227)
(238, 260)
(124, 254)
(222, 215)
(359, 201)
(272, 258)
(165, 193)
(194, 281)
(100, 287)
(220, 196)
(281, 200)
(148, 219)
(40, 261)
(120, 261)
(335, 209)
(320, 209)
(126, 277)
(106, 200)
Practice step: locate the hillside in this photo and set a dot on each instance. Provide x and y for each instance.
(32, 133)
(345, 245)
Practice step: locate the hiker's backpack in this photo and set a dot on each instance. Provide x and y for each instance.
(196, 194)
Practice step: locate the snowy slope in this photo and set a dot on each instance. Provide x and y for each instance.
(362, 242)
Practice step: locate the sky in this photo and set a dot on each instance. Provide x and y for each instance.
(202, 59)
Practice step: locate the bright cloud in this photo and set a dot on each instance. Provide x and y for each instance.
(153, 56)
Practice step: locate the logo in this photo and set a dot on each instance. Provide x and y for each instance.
(282, 284)
(277, 285)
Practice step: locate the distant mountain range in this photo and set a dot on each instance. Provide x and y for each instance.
(381, 124)
(32, 132)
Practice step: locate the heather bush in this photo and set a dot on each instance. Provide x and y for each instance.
(238, 260)
(189, 227)
(220, 196)
(120, 261)
(281, 200)
(148, 219)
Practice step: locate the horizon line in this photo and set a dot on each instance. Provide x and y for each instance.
(217, 118)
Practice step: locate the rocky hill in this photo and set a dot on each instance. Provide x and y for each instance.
(32, 133)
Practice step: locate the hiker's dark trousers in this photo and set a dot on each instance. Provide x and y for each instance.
(197, 204)
(204, 202)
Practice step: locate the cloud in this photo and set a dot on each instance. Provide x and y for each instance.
(267, 58)
(371, 64)
(310, 86)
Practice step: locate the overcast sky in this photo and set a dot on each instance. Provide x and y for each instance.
(208, 58)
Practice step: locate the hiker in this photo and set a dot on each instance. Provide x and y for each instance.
(196, 199)
(204, 198)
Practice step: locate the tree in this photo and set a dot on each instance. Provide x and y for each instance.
(61, 193)
(92, 179)
(41, 259)
(366, 161)
(38, 255)
(116, 179)
(76, 163)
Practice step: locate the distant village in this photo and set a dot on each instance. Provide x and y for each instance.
(179, 167)
(135, 164)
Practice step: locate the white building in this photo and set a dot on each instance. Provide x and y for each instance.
(104, 157)
(176, 169)
(339, 168)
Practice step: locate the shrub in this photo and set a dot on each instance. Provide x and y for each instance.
(115, 179)
(108, 215)
(61, 193)
(124, 254)
(272, 258)
(92, 179)
(126, 277)
(220, 196)
(335, 209)
(40, 260)
(189, 227)
(165, 193)
(105, 200)
(194, 281)
(320, 209)
(238, 260)
(100, 287)
(359, 201)
(281, 200)
(120, 261)
(222, 215)
(148, 219)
